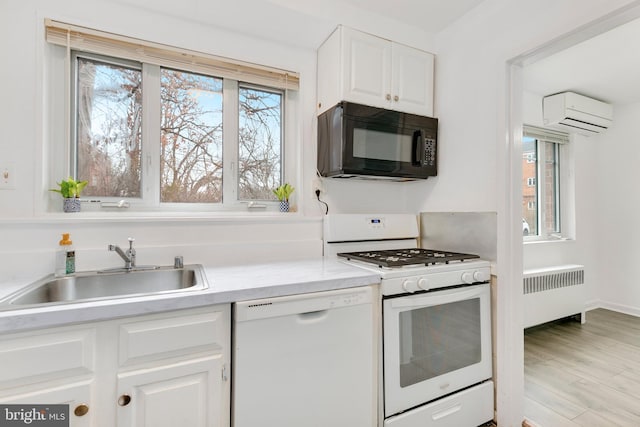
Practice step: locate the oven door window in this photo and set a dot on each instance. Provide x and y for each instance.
(439, 339)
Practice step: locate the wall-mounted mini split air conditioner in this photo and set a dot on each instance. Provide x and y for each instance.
(571, 112)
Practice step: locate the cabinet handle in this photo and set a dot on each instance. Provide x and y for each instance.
(388, 97)
(395, 98)
(81, 410)
(124, 400)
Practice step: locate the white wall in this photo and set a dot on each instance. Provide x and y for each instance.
(471, 90)
(617, 197)
(208, 239)
(580, 223)
(472, 102)
(257, 31)
(24, 116)
(471, 96)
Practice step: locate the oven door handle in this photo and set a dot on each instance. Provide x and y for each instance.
(438, 298)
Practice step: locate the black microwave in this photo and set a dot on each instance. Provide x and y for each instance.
(359, 141)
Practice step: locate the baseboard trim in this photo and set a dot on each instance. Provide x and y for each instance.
(620, 308)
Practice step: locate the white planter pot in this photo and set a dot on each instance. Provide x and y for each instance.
(71, 204)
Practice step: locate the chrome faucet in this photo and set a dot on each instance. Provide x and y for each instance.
(129, 256)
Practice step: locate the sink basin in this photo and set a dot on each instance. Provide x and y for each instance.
(111, 284)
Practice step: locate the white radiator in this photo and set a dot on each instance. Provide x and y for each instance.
(553, 293)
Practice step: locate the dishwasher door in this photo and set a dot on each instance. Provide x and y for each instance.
(307, 360)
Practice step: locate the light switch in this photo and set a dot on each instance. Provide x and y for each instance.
(7, 176)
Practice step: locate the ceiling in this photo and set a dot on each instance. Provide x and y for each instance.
(605, 67)
(307, 23)
(429, 15)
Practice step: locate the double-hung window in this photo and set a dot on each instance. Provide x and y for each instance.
(149, 128)
(541, 181)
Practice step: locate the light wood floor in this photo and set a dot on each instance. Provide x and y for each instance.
(584, 375)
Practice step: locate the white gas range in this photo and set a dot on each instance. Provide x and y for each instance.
(436, 316)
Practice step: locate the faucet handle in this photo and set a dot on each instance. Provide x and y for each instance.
(178, 262)
(131, 240)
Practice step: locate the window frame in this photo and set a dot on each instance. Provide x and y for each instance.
(150, 174)
(283, 121)
(73, 115)
(62, 38)
(563, 163)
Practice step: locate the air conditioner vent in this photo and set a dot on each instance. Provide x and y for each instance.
(576, 113)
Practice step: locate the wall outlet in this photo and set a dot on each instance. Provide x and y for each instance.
(7, 176)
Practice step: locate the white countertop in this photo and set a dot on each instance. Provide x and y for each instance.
(226, 285)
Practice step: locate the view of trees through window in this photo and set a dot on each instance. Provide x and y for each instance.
(109, 111)
(260, 143)
(191, 137)
(109, 128)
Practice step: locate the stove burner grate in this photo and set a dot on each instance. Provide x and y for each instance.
(404, 257)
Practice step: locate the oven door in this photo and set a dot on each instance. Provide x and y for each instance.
(434, 344)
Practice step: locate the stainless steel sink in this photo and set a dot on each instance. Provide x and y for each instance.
(94, 285)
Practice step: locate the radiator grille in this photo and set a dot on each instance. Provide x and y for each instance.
(553, 280)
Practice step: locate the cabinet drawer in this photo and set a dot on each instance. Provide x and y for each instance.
(156, 339)
(470, 407)
(38, 357)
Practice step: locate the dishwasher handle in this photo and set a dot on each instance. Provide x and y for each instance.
(302, 305)
(313, 316)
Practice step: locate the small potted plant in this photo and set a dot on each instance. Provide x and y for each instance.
(70, 190)
(282, 193)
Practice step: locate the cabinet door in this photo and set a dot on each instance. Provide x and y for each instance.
(188, 393)
(367, 69)
(412, 80)
(76, 394)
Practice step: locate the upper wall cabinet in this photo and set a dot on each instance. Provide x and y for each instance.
(358, 67)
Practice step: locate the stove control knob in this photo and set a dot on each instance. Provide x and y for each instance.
(423, 283)
(410, 285)
(479, 276)
(467, 277)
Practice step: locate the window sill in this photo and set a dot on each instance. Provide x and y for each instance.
(545, 240)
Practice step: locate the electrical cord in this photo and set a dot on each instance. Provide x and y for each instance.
(324, 203)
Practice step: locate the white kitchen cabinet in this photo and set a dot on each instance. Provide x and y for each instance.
(362, 68)
(157, 370)
(174, 370)
(52, 367)
(78, 395)
(152, 396)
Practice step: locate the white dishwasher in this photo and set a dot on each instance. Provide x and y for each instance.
(306, 361)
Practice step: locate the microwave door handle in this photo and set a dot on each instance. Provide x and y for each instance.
(417, 148)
